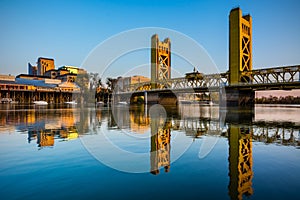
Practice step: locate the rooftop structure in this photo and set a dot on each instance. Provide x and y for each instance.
(44, 64)
(70, 69)
(7, 78)
(32, 70)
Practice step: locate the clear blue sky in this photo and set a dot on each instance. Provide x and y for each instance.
(68, 30)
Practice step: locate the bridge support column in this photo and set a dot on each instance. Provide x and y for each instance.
(240, 98)
(149, 98)
(128, 98)
(163, 98)
(145, 97)
(168, 98)
(152, 98)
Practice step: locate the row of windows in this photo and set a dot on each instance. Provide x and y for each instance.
(245, 29)
(6, 87)
(9, 87)
(44, 63)
(162, 48)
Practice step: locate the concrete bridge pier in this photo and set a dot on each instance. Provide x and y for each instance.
(239, 98)
(168, 98)
(152, 98)
(237, 105)
(163, 98)
(117, 98)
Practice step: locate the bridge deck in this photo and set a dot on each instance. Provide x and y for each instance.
(276, 78)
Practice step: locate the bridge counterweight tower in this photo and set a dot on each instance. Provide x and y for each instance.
(240, 46)
(240, 59)
(160, 60)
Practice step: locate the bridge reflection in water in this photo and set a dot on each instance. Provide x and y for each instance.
(46, 126)
(160, 140)
(240, 161)
(206, 121)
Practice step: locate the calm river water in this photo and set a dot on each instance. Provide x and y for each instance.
(154, 152)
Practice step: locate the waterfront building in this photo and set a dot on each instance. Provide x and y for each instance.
(72, 70)
(53, 73)
(67, 77)
(124, 82)
(32, 70)
(31, 77)
(7, 77)
(44, 64)
(138, 79)
(64, 73)
(68, 73)
(44, 82)
(27, 88)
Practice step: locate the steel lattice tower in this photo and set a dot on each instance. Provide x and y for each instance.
(240, 46)
(160, 59)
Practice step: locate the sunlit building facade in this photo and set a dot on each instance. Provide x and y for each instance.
(125, 82)
(44, 64)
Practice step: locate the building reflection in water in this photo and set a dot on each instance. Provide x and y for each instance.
(140, 120)
(42, 125)
(46, 137)
(46, 127)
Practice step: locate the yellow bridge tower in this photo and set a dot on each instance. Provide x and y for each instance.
(240, 46)
(160, 60)
(240, 60)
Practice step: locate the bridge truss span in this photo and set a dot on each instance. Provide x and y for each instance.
(240, 94)
(210, 81)
(287, 77)
(278, 75)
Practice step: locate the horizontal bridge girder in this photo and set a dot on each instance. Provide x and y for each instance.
(287, 77)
